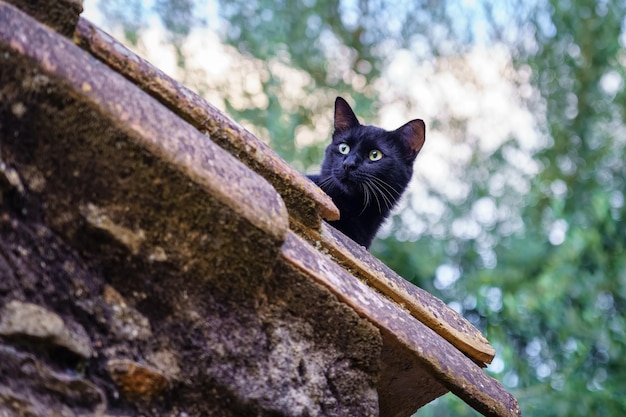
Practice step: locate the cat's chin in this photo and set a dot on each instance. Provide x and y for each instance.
(347, 185)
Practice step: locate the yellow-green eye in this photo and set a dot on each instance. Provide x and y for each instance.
(344, 148)
(375, 155)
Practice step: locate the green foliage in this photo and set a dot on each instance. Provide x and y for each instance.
(546, 278)
(129, 15)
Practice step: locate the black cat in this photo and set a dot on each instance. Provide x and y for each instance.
(366, 169)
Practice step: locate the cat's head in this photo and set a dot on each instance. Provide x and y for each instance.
(362, 157)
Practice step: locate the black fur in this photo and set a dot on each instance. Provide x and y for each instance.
(365, 190)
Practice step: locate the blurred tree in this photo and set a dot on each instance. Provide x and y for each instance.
(554, 300)
(532, 249)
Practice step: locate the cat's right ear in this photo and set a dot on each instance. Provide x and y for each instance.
(413, 134)
(344, 116)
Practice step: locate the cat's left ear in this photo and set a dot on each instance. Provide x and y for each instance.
(413, 135)
(344, 116)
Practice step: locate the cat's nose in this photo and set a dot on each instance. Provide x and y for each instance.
(349, 164)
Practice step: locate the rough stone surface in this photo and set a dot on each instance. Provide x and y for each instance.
(20, 320)
(290, 349)
(119, 218)
(30, 386)
(136, 380)
(126, 323)
(60, 15)
(405, 384)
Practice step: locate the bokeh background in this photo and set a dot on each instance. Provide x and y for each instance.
(515, 216)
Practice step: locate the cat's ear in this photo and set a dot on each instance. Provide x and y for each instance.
(344, 116)
(413, 134)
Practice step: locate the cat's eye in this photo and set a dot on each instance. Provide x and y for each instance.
(375, 155)
(344, 148)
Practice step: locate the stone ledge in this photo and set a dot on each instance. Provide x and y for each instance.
(307, 204)
(428, 309)
(114, 142)
(405, 338)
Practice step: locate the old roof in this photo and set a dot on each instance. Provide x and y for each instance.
(141, 158)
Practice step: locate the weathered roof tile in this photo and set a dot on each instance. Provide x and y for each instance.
(306, 203)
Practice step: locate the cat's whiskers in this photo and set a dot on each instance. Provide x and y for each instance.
(371, 191)
(385, 191)
(382, 195)
(366, 196)
(327, 184)
(388, 187)
(381, 191)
